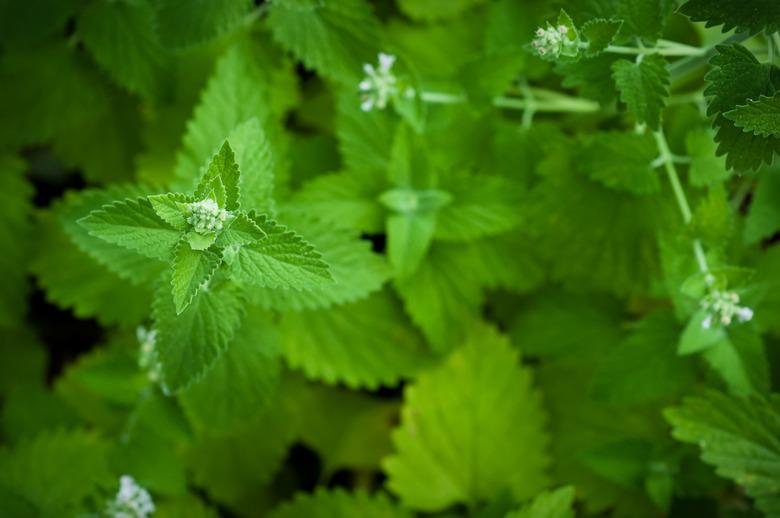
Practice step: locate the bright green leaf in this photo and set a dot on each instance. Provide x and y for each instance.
(134, 225)
(188, 344)
(192, 271)
(482, 401)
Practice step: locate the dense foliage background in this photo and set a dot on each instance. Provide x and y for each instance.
(503, 271)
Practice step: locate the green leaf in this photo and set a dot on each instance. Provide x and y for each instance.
(242, 383)
(25, 24)
(735, 78)
(760, 117)
(348, 429)
(282, 259)
(356, 270)
(641, 18)
(33, 470)
(334, 38)
(335, 503)
(442, 297)
(188, 344)
(706, 168)
(740, 361)
(488, 76)
(347, 200)
(621, 160)
(593, 76)
(15, 229)
(365, 344)
(256, 161)
(549, 504)
(432, 10)
(738, 437)
(481, 206)
(408, 239)
(696, 337)
(192, 271)
(185, 23)
(479, 398)
(136, 268)
(72, 279)
(133, 224)
(594, 236)
(222, 173)
(172, 208)
(36, 113)
(241, 230)
(543, 325)
(754, 16)
(235, 467)
(763, 218)
(645, 366)
(599, 33)
(365, 138)
(238, 91)
(643, 86)
(122, 37)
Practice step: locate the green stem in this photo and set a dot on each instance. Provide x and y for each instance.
(442, 98)
(674, 178)
(550, 102)
(663, 51)
(679, 194)
(563, 105)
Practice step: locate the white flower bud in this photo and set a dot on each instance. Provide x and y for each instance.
(206, 216)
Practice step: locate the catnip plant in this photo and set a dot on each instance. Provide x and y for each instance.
(342, 258)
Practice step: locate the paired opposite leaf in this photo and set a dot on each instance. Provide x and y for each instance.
(643, 86)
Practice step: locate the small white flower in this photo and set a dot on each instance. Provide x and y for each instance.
(206, 216)
(724, 307)
(379, 85)
(131, 501)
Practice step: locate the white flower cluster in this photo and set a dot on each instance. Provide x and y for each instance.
(723, 307)
(132, 501)
(379, 84)
(555, 41)
(206, 216)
